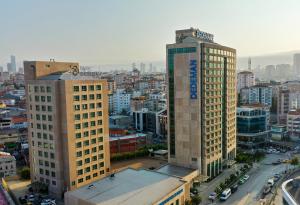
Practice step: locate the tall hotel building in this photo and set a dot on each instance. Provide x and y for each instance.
(68, 132)
(201, 102)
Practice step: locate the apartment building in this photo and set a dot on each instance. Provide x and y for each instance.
(7, 165)
(68, 125)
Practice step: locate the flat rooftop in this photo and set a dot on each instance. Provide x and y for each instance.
(126, 187)
(174, 170)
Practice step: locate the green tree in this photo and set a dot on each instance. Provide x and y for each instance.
(196, 200)
(25, 173)
(295, 161)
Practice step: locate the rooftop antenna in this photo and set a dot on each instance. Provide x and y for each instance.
(249, 63)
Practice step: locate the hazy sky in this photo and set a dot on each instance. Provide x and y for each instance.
(124, 31)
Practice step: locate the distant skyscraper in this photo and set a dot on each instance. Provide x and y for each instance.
(297, 63)
(201, 102)
(142, 68)
(1, 69)
(249, 64)
(13, 68)
(8, 66)
(150, 68)
(68, 132)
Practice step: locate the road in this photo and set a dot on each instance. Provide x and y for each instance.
(250, 192)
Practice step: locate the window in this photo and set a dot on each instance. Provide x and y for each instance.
(78, 135)
(91, 87)
(99, 113)
(79, 154)
(87, 160)
(48, 89)
(76, 98)
(87, 151)
(43, 98)
(84, 106)
(79, 163)
(87, 169)
(99, 105)
(80, 180)
(92, 114)
(100, 147)
(93, 123)
(76, 88)
(49, 108)
(50, 118)
(79, 172)
(83, 88)
(76, 107)
(92, 105)
(98, 87)
(85, 125)
(84, 97)
(37, 98)
(78, 144)
(98, 96)
(86, 142)
(77, 126)
(88, 177)
(92, 96)
(77, 117)
(85, 115)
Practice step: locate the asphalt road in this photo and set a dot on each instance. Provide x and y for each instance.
(250, 192)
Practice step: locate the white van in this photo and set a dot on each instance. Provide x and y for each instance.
(225, 194)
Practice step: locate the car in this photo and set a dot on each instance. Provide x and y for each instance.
(212, 196)
(270, 182)
(234, 188)
(48, 202)
(246, 177)
(267, 190)
(241, 181)
(225, 194)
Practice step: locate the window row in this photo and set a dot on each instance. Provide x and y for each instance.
(86, 97)
(85, 106)
(84, 88)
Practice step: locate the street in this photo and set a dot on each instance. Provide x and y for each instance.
(250, 192)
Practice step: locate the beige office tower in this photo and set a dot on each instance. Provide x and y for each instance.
(68, 132)
(201, 102)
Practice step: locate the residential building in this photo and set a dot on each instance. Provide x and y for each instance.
(261, 94)
(252, 126)
(68, 134)
(120, 101)
(293, 123)
(131, 186)
(7, 165)
(245, 79)
(288, 99)
(201, 102)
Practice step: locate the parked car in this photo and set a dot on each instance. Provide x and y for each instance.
(267, 190)
(241, 181)
(246, 177)
(212, 196)
(270, 182)
(234, 188)
(225, 194)
(22, 200)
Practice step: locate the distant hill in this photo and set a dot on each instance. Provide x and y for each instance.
(268, 59)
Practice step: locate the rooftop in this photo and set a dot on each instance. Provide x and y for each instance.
(127, 187)
(174, 170)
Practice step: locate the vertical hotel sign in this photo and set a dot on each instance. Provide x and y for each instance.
(193, 79)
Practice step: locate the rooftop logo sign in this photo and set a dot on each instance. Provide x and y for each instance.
(205, 36)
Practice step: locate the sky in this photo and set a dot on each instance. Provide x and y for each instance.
(126, 31)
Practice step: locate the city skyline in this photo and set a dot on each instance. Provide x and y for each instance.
(101, 33)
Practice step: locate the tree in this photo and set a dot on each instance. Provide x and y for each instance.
(295, 161)
(222, 186)
(196, 199)
(25, 173)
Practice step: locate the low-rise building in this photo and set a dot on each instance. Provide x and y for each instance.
(128, 143)
(119, 121)
(130, 187)
(7, 165)
(252, 127)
